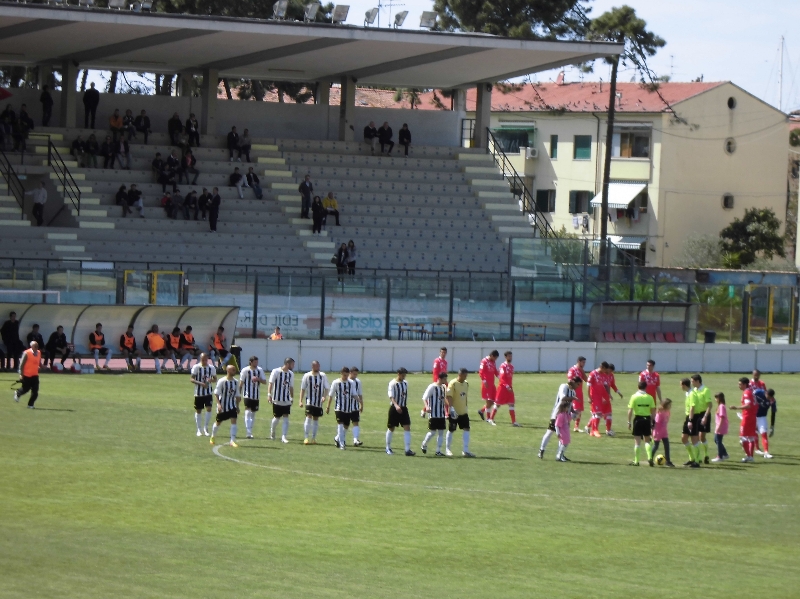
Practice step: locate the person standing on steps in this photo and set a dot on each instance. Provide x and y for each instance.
(47, 105)
(213, 210)
(91, 100)
(306, 189)
(39, 196)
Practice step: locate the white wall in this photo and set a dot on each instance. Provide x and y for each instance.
(387, 356)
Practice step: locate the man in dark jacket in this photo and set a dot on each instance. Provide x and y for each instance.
(91, 99)
(385, 137)
(193, 130)
(404, 137)
(142, 124)
(35, 335)
(188, 164)
(213, 210)
(254, 184)
(57, 345)
(9, 332)
(234, 145)
(202, 203)
(306, 189)
(371, 136)
(108, 153)
(175, 128)
(47, 109)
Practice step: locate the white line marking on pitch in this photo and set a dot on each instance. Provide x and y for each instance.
(367, 481)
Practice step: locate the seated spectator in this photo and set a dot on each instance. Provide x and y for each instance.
(236, 180)
(122, 150)
(404, 137)
(188, 347)
(97, 345)
(128, 125)
(36, 336)
(371, 136)
(78, 150)
(164, 175)
(122, 200)
(92, 150)
(245, 144)
(177, 203)
(193, 130)
(385, 137)
(187, 167)
(175, 128)
(128, 349)
(233, 145)
(331, 206)
(57, 346)
(252, 181)
(142, 125)
(317, 215)
(173, 164)
(24, 117)
(352, 255)
(115, 124)
(167, 205)
(190, 204)
(155, 347)
(108, 153)
(202, 203)
(135, 199)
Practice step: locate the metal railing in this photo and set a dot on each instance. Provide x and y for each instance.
(15, 187)
(71, 191)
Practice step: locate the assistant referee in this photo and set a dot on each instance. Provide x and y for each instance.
(641, 412)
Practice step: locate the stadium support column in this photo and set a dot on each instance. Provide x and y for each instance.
(69, 93)
(347, 110)
(185, 84)
(483, 113)
(323, 95)
(208, 116)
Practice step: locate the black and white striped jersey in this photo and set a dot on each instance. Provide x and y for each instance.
(563, 391)
(202, 377)
(250, 388)
(282, 386)
(316, 388)
(434, 398)
(342, 393)
(398, 390)
(227, 391)
(357, 387)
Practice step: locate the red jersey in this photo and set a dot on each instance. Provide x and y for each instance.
(439, 365)
(758, 384)
(612, 382)
(597, 385)
(506, 373)
(577, 372)
(749, 406)
(653, 380)
(488, 371)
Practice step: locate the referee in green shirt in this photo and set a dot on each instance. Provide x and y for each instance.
(641, 412)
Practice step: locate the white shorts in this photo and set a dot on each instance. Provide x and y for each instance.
(761, 424)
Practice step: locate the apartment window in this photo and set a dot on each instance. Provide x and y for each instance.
(554, 146)
(582, 147)
(631, 143)
(546, 200)
(579, 202)
(727, 201)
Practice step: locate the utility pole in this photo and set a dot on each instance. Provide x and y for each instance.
(780, 77)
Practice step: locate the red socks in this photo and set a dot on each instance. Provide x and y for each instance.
(608, 424)
(494, 413)
(578, 422)
(593, 422)
(513, 415)
(764, 442)
(749, 446)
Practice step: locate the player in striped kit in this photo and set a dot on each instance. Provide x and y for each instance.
(250, 380)
(281, 396)
(203, 377)
(398, 412)
(313, 389)
(227, 394)
(355, 416)
(437, 404)
(342, 391)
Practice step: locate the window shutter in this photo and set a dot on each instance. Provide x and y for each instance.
(573, 202)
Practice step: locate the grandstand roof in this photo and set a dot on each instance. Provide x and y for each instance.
(33, 34)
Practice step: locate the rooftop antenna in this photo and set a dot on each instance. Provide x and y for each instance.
(671, 66)
(390, 4)
(780, 77)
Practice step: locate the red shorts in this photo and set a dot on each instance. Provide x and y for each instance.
(605, 406)
(488, 391)
(747, 428)
(577, 404)
(596, 406)
(505, 395)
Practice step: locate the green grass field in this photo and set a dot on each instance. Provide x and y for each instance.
(106, 492)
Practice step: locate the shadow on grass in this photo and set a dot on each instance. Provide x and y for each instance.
(38, 409)
(248, 446)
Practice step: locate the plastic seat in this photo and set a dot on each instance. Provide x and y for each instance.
(649, 337)
(639, 337)
(679, 338)
(619, 337)
(660, 338)
(669, 337)
(630, 338)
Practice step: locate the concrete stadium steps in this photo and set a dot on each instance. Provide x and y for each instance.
(95, 178)
(419, 245)
(337, 185)
(377, 174)
(360, 148)
(105, 189)
(284, 193)
(143, 164)
(322, 159)
(432, 260)
(400, 211)
(418, 224)
(386, 231)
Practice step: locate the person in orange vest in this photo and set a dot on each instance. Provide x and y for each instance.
(97, 345)
(155, 346)
(29, 374)
(174, 345)
(217, 348)
(276, 336)
(128, 349)
(189, 347)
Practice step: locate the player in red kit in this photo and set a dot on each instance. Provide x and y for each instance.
(611, 384)
(747, 429)
(653, 380)
(440, 364)
(488, 373)
(505, 390)
(577, 372)
(597, 393)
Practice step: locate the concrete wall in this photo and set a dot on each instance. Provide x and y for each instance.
(387, 356)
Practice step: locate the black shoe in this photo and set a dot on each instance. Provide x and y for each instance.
(689, 463)
(423, 448)
(336, 442)
(565, 459)
(694, 465)
(633, 463)
(540, 455)
(410, 453)
(706, 460)
(651, 463)
(670, 465)
(358, 443)
(481, 414)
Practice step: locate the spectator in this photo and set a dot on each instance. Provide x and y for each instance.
(341, 260)
(78, 150)
(305, 189)
(115, 124)
(202, 203)
(213, 210)
(276, 334)
(385, 137)
(91, 100)
(107, 151)
(47, 110)
(237, 181)
(20, 128)
(36, 336)
(173, 166)
(190, 203)
(92, 150)
(122, 200)
(175, 128)
(142, 125)
(233, 145)
(57, 345)
(123, 151)
(135, 199)
(9, 333)
(245, 144)
(128, 124)
(97, 345)
(166, 204)
(39, 196)
(331, 207)
(193, 130)
(25, 117)
(318, 214)
(404, 137)
(177, 203)
(253, 182)
(7, 120)
(188, 167)
(371, 136)
(352, 255)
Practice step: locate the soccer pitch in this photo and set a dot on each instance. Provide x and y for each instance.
(106, 492)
